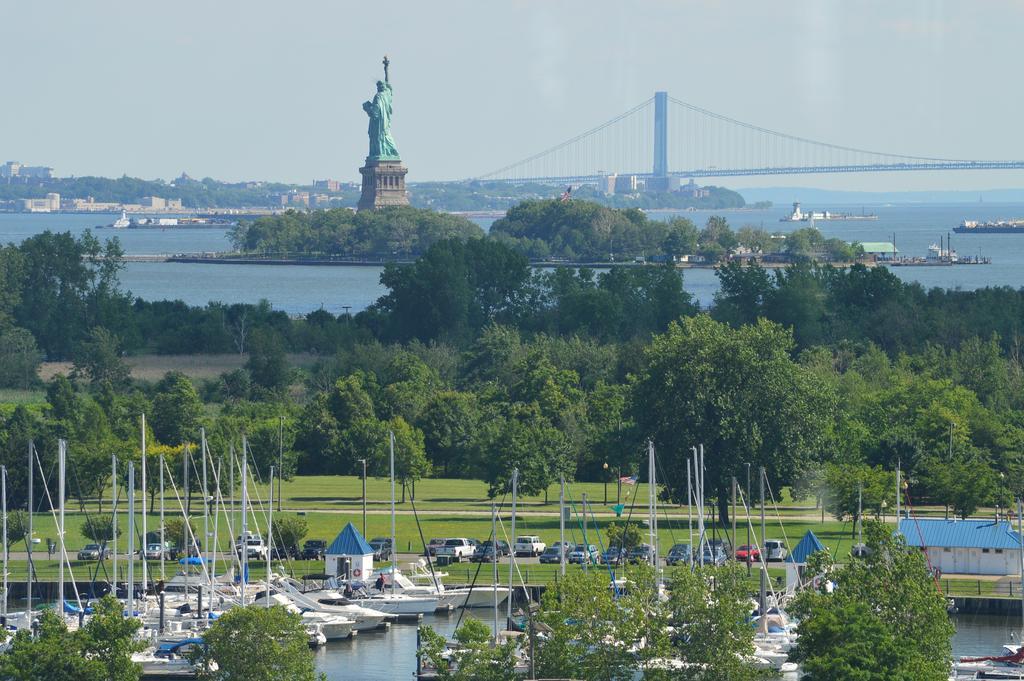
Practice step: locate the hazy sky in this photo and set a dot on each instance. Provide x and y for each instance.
(272, 90)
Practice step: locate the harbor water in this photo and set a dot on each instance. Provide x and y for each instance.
(298, 289)
(379, 656)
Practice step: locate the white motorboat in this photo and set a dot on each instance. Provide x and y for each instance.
(329, 602)
(464, 597)
(334, 627)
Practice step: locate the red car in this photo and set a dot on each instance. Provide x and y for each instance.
(748, 553)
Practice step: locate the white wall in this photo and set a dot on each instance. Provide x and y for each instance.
(362, 566)
(975, 561)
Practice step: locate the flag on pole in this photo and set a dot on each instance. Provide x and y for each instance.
(628, 480)
(568, 192)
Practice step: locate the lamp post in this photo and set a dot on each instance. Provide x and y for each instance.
(884, 505)
(363, 461)
(605, 467)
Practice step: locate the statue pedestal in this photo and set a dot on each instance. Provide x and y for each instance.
(383, 185)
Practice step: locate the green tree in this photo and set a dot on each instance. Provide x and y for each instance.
(583, 615)
(98, 358)
(99, 529)
(256, 643)
(267, 364)
(709, 608)
(624, 536)
(449, 423)
(844, 482)
(176, 410)
(19, 359)
(737, 392)
(56, 654)
(860, 629)
(289, 530)
(473, 658)
(109, 637)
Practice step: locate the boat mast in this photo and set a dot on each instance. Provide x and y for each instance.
(163, 539)
(561, 526)
(394, 542)
(494, 545)
(61, 453)
(113, 522)
(1020, 538)
(860, 511)
(244, 539)
(689, 505)
(3, 500)
(206, 512)
(763, 601)
(512, 552)
(652, 514)
(131, 539)
(145, 580)
(31, 484)
(270, 530)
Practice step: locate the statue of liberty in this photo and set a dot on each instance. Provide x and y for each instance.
(382, 146)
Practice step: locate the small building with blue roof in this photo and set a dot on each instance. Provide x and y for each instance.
(965, 547)
(349, 556)
(796, 561)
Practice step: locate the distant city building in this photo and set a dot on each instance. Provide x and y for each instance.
(10, 169)
(157, 203)
(320, 200)
(606, 185)
(51, 204)
(662, 184)
(695, 190)
(627, 184)
(294, 198)
(13, 169)
(327, 185)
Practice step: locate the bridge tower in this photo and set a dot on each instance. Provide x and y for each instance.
(660, 134)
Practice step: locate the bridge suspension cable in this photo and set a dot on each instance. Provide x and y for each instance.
(703, 143)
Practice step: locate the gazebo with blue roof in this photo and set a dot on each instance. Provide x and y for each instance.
(797, 560)
(349, 555)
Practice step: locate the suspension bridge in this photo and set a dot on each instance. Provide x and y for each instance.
(663, 139)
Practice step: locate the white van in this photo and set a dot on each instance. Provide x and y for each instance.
(775, 550)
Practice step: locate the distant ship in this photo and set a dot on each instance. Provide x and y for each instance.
(799, 216)
(1015, 226)
(120, 223)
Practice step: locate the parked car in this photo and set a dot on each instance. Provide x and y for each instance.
(252, 545)
(434, 544)
(584, 554)
(93, 552)
(552, 554)
(314, 549)
(723, 545)
(381, 548)
(714, 555)
(484, 553)
(456, 548)
(748, 553)
(641, 553)
(153, 552)
(613, 556)
(284, 552)
(680, 553)
(860, 551)
(775, 550)
(529, 545)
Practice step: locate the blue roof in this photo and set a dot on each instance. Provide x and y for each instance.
(349, 543)
(802, 551)
(969, 534)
